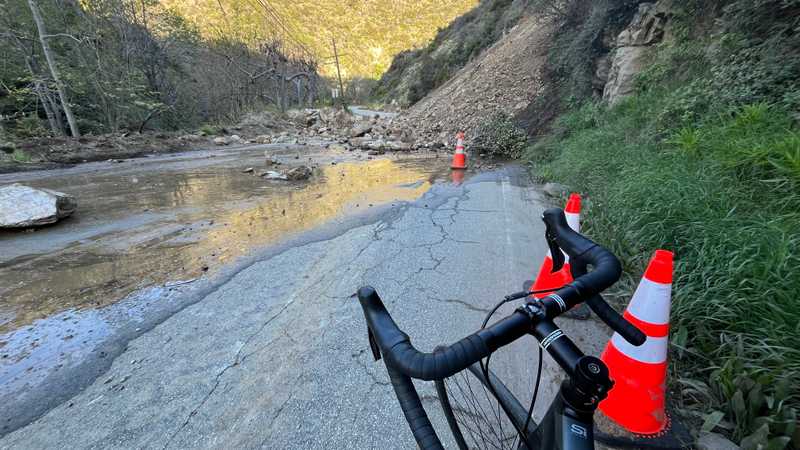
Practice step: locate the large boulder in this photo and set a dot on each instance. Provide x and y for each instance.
(648, 27)
(23, 206)
(360, 130)
(299, 173)
(626, 64)
(273, 175)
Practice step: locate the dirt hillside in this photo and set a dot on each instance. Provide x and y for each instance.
(504, 78)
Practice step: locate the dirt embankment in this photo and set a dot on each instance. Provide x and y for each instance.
(506, 78)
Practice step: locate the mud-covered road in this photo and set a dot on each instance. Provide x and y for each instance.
(188, 304)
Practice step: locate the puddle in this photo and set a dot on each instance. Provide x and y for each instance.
(138, 228)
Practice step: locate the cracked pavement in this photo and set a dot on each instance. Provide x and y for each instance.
(277, 356)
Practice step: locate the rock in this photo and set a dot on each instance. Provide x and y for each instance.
(647, 28)
(248, 170)
(375, 145)
(338, 147)
(299, 173)
(263, 139)
(358, 142)
(236, 138)
(191, 137)
(398, 146)
(222, 140)
(23, 206)
(555, 190)
(272, 175)
(375, 152)
(312, 116)
(284, 139)
(602, 67)
(341, 119)
(360, 130)
(714, 441)
(626, 64)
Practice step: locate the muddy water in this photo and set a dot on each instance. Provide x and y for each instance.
(171, 221)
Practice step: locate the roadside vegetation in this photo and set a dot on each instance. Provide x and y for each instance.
(499, 136)
(704, 160)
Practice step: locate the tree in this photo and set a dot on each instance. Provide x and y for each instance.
(51, 63)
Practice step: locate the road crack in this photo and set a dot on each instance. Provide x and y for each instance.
(238, 358)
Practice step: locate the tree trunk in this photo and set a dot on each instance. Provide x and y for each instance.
(50, 108)
(51, 118)
(338, 73)
(37, 18)
(298, 83)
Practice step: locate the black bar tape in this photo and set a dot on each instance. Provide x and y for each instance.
(441, 364)
(412, 408)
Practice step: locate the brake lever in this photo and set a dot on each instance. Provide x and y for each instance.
(555, 251)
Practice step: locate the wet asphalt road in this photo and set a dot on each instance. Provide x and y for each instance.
(274, 354)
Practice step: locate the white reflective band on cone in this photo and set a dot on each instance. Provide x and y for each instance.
(653, 351)
(574, 221)
(650, 302)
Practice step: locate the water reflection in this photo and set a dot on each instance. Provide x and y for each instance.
(223, 215)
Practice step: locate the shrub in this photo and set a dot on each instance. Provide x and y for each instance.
(499, 136)
(210, 130)
(29, 126)
(20, 156)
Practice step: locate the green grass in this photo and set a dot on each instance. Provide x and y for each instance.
(210, 130)
(724, 195)
(20, 156)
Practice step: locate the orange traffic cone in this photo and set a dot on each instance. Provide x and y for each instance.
(459, 158)
(548, 280)
(637, 400)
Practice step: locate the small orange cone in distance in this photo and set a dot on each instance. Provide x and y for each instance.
(547, 280)
(636, 402)
(459, 158)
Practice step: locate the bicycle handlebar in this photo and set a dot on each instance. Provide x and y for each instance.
(396, 346)
(404, 361)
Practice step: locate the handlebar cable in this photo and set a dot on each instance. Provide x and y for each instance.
(522, 434)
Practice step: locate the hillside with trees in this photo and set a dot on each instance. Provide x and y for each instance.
(72, 68)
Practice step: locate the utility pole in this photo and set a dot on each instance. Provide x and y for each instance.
(51, 63)
(338, 71)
